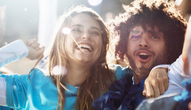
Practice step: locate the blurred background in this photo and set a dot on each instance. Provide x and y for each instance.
(26, 19)
(37, 18)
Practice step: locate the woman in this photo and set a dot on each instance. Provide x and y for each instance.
(82, 53)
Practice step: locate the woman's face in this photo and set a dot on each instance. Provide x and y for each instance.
(84, 43)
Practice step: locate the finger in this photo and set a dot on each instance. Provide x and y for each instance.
(35, 45)
(155, 88)
(149, 90)
(145, 90)
(31, 41)
(40, 51)
(161, 88)
(166, 84)
(156, 92)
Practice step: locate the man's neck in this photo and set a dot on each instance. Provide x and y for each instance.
(136, 79)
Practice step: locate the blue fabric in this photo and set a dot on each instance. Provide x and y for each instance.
(122, 94)
(185, 97)
(40, 93)
(4, 108)
(22, 94)
(121, 72)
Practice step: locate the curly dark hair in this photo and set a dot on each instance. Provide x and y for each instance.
(152, 13)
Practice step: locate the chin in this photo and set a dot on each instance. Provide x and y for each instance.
(85, 61)
(143, 72)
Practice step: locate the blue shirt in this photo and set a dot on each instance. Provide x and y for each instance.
(40, 93)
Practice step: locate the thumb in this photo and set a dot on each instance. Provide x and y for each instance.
(40, 52)
(144, 91)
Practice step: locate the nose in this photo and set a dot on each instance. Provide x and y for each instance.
(85, 36)
(143, 43)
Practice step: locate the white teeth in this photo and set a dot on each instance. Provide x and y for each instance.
(84, 46)
(143, 54)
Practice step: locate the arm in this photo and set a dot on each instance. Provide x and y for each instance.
(157, 82)
(19, 49)
(186, 53)
(10, 53)
(13, 52)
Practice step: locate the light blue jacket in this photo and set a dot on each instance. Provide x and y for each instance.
(39, 93)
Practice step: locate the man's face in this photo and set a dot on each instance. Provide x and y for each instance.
(145, 49)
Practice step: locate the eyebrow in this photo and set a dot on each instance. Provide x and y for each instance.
(155, 32)
(78, 25)
(92, 27)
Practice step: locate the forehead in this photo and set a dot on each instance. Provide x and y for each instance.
(146, 28)
(85, 20)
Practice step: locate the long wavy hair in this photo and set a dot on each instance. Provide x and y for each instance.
(100, 76)
(153, 13)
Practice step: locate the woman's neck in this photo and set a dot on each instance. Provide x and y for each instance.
(76, 74)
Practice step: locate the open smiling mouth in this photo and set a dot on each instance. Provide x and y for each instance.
(84, 47)
(143, 56)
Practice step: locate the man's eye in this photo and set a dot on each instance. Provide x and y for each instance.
(155, 37)
(134, 37)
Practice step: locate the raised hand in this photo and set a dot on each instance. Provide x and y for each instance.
(35, 51)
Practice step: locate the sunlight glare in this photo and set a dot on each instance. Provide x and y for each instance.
(66, 30)
(59, 70)
(94, 2)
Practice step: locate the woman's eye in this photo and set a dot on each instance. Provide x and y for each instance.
(94, 33)
(76, 30)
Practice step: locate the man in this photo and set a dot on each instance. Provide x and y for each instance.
(150, 32)
(174, 101)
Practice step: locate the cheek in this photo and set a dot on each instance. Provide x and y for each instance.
(101, 48)
(160, 50)
(161, 47)
(68, 44)
(99, 43)
(69, 41)
(130, 47)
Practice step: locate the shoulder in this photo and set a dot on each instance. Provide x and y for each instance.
(36, 75)
(39, 74)
(120, 72)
